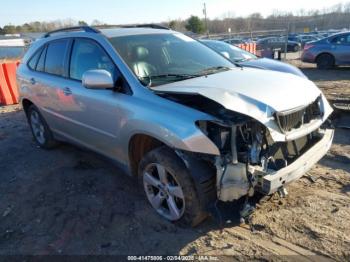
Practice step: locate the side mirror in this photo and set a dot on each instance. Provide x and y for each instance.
(97, 79)
(225, 54)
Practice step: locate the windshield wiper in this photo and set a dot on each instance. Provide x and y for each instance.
(243, 60)
(214, 69)
(182, 76)
(148, 80)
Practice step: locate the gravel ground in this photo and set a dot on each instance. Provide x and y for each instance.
(71, 201)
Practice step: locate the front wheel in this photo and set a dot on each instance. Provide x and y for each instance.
(169, 187)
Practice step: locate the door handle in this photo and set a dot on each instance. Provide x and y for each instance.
(32, 81)
(67, 91)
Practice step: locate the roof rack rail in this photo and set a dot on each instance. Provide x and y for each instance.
(155, 26)
(87, 29)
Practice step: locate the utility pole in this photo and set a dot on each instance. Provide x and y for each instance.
(205, 19)
(286, 41)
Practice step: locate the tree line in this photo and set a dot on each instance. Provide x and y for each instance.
(35, 27)
(335, 17)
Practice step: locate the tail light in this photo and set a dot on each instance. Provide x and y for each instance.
(308, 46)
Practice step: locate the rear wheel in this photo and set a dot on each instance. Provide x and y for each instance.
(325, 61)
(169, 187)
(40, 130)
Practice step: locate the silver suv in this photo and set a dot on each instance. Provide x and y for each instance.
(193, 127)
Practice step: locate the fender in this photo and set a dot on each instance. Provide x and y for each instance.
(174, 136)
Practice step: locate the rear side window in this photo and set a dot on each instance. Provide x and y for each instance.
(34, 60)
(41, 63)
(88, 55)
(55, 55)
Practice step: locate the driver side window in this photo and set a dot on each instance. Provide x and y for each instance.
(88, 55)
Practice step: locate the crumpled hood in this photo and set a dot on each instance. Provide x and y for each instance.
(253, 92)
(264, 88)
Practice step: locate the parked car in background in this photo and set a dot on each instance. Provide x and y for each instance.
(244, 58)
(328, 52)
(277, 43)
(303, 39)
(191, 126)
(234, 41)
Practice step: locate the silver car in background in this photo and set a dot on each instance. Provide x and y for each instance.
(246, 59)
(189, 124)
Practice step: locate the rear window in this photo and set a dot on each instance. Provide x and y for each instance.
(55, 55)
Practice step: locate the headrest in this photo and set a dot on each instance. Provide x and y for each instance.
(140, 53)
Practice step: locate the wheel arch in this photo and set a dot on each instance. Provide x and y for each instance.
(139, 145)
(324, 53)
(26, 103)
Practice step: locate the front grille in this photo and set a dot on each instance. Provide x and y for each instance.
(295, 118)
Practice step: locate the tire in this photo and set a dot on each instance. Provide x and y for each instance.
(325, 61)
(169, 188)
(296, 48)
(40, 130)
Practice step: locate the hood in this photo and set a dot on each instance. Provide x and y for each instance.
(270, 64)
(253, 92)
(264, 88)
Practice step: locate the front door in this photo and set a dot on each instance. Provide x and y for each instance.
(93, 116)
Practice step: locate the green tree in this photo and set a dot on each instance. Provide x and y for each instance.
(26, 28)
(9, 29)
(195, 25)
(172, 24)
(82, 23)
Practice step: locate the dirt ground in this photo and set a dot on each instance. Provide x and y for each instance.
(71, 201)
(334, 83)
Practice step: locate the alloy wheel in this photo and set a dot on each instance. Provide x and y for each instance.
(163, 191)
(37, 127)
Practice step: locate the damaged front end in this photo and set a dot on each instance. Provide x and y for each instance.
(251, 158)
(251, 161)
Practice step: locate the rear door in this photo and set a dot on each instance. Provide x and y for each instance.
(49, 72)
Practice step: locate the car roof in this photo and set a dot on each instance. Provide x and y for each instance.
(109, 31)
(340, 33)
(116, 32)
(211, 41)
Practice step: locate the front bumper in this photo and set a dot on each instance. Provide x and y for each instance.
(270, 181)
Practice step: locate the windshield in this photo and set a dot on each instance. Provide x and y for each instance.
(163, 58)
(233, 53)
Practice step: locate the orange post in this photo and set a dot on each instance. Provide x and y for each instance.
(5, 94)
(8, 86)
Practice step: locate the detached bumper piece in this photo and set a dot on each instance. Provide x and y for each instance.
(342, 104)
(270, 181)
